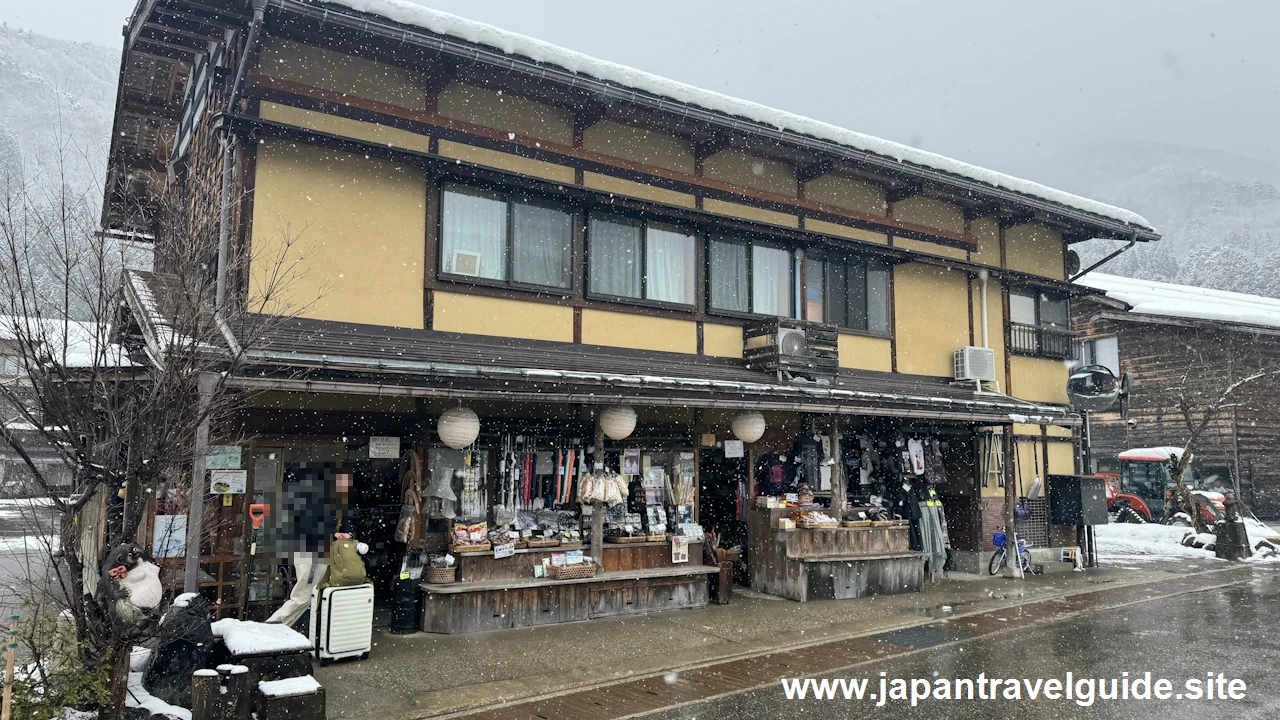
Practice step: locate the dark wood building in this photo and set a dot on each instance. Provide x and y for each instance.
(1183, 347)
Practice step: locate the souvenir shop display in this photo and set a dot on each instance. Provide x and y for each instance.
(813, 519)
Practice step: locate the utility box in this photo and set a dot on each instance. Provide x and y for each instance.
(1077, 500)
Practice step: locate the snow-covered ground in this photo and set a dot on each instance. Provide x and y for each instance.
(1125, 541)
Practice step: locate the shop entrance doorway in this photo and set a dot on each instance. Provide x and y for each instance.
(722, 496)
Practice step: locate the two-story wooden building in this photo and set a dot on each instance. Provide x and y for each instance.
(473, 217)
(1183, 346)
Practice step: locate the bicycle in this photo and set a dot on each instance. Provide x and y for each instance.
(999, 558)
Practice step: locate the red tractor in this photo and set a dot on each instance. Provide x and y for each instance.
(1145, 484)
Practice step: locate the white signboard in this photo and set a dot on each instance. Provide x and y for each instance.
(387, 448)
(504, 551)
(224, 482)
(733, 448)
(679, 549)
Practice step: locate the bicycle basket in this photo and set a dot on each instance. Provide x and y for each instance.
(997, 539)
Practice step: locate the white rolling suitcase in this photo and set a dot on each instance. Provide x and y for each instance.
(342, 622)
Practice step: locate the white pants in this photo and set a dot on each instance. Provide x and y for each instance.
(310, 568)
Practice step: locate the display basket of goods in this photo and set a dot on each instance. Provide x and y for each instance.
(855, 523)
(656, 538)
(543, 542)
(574, 572)
(570, 544)
(470, 538)
(626, 538)
(814, 520)
(441, 575)
(885, 523)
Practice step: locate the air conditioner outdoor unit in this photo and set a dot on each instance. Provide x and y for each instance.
(975, 363)
(792, 348)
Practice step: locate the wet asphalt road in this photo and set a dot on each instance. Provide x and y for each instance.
(1234, 631)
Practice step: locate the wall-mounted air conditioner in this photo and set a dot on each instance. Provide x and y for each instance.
(792, 348)
(975, 363)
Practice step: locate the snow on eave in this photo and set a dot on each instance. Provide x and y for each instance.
(1149, 297)
(510, 43)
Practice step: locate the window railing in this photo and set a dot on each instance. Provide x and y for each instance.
(1041, 341)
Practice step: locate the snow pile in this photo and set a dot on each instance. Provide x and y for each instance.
(442, 23)
(138, 697)
(1149, 297)
(1151, 541)
(289, 686)
(244, 637)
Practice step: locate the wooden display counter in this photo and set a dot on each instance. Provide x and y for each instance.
(497, 594)
(830, 563)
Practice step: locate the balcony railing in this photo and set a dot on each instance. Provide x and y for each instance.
(1041, 341)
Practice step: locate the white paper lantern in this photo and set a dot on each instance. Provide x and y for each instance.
(458, 427)
(618, 421)
(748, 426)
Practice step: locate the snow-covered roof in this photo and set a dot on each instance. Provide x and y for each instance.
(1149, 297)
(1163, 453)
(446, 24)
(80, 338)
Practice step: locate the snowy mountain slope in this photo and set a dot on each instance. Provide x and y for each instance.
(55, 92)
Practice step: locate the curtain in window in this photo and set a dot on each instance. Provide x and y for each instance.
(669, 265)
(615, 257)
(878, 297)
(474, 224)
(813, 290)
(729, 276)
(1022, 308)
(770, 281)
(543, 245)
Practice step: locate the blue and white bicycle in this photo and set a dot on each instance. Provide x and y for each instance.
(1000, 557)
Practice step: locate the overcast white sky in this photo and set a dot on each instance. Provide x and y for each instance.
(1001, 84)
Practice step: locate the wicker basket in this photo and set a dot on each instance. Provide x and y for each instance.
(441, 575)
(818, 525)
(855, 523)
(571, 545)
(884, 523)
(656, 538)
(478, 547)
(622, 540)
(574, 572)
(543, 543)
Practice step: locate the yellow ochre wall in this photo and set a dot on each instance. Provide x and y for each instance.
(342, 73)
(1034, 249)
(721, 340)
(618, 186)
(626, 330)
(345, 127)
(1038, 379)
(506, 161)
(739, 168)
(504, 111)
(846, 193)
(639, 145)
(931, 317)
(480, 315)
(865, 353)
(995, 323)
(342, 234)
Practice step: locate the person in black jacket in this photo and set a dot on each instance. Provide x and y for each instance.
(311, 518)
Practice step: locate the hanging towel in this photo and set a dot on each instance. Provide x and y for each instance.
(916, 450)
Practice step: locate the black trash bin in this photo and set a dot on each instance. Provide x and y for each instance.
(405, 612)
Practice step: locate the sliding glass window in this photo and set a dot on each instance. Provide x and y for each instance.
(639, 260)
(852, 293)
(505, 238)
(750, 278)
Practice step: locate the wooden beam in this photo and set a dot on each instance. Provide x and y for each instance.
(980, 211)
(587, 116)
(443, 71)
(805, 173)
(140, 23)
(706, 148)
(902, 192)
(1013, 221)
(158, 112)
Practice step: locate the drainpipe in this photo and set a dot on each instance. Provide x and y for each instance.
(984, 275)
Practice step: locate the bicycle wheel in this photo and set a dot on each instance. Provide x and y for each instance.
(997, 562)
(1025, 557)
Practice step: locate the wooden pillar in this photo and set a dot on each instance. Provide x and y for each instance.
(839, 486)
(206, 698)
(597, 509)
(199, 488)
(239, 698)
(1010, 500)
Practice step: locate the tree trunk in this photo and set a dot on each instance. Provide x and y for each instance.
(118, 679)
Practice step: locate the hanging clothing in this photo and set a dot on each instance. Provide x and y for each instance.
(932, 538)
(771, 477)
(808, 457)
(915, 452)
